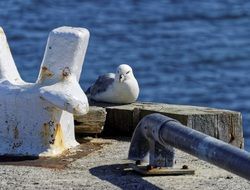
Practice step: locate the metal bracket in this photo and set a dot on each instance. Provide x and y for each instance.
(151, 171)
(161, 162)
(146, 142)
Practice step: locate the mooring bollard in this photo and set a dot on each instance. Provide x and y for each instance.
(157, 135)
(37, 118)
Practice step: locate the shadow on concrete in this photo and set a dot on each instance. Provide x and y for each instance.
(121, 176)
(9, 158)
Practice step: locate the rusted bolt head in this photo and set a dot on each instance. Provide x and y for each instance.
(66, 72)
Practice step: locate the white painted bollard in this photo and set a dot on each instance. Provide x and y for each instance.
(36, 119)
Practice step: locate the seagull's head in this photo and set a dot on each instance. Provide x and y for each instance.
(123, 73)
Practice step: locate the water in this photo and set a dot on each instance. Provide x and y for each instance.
(183, 52)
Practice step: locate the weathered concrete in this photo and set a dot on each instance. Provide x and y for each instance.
(222, 124)
(91, 123)
(107, 168)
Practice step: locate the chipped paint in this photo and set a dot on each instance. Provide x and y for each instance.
(36, 118)
(45, 74)
(45, 133)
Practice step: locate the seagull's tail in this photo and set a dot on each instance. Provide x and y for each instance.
(88, 92)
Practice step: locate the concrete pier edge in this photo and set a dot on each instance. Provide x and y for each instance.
(121, 120)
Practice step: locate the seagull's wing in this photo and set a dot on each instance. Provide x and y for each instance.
(101, 84)
(66, 95)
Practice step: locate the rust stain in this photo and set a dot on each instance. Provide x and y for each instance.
(45, 133)
(59, 137)
(16, 132)
(60, 162)
(232, 138)
(66, 72)
(44, 69)
(45, 130)
(45, 73)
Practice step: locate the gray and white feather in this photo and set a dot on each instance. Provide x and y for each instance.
(120, 87)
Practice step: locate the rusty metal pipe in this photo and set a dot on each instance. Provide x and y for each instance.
(167, 132)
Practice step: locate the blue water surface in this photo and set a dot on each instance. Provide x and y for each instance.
(183, 51)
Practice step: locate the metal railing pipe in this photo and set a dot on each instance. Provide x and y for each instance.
(158, 129)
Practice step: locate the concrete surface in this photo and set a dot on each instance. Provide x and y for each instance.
(104, 169)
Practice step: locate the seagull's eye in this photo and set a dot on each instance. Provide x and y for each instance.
(127, 72)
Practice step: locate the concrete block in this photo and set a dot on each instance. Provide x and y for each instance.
(225, 125)
(91, 123)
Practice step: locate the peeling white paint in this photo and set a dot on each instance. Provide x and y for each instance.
(36, 118)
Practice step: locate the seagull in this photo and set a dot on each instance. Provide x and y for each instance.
(119, 88)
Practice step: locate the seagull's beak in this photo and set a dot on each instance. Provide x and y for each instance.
(121, 78)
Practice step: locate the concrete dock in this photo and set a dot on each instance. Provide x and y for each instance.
(108, 168)
(101, 163)
(121, 120)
